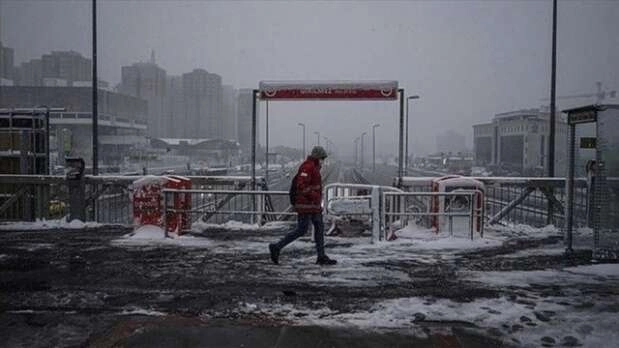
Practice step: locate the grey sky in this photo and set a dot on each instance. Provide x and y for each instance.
(466, 59)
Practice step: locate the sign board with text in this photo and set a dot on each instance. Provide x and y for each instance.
(326, 90)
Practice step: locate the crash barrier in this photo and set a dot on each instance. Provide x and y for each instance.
(219, 206)
(103, 198)
(398, 207)
(521, 200)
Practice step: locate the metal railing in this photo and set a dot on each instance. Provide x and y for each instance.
(521, 200)
(428, 207)
(105, 199)
(218, 206)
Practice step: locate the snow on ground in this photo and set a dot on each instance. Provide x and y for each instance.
(48, 225)
(520, 230)
(603, 270)
(238, 226)
(150, 235)
(529, 326)
(141, 311)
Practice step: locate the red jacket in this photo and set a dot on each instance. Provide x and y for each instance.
(309, 187)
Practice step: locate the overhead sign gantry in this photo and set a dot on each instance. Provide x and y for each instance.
(328, 90)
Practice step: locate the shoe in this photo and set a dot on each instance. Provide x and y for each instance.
(274, 250)
(325, 261)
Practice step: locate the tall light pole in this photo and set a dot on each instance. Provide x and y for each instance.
(95, 97)
(374, 146)
(317, 137)
(266, 173)
(327, 141)
(356, 151)
(303, 154)
(362, 154)
(553, 82)
(406, 151)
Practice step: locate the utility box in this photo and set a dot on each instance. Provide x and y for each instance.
(178, 219)
(148, 203)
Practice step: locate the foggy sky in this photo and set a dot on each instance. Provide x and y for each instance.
(468, 60)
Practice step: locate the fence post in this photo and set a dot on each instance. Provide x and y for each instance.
(376, 220)
(165, 213)
(472, 217)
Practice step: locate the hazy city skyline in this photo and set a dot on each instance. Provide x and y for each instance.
(467, 60)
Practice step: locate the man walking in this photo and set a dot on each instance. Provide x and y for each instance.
(307, 205)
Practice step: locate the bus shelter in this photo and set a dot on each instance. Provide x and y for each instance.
(602, 175)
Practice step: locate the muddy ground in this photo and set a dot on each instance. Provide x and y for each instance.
(80, 288)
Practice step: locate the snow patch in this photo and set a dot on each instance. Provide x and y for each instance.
(141, 311)
(239, 226)
(149, 180)
(147, 232)
(603, 270)
(48, 225)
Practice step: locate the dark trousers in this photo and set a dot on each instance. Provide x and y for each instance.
(303, 221)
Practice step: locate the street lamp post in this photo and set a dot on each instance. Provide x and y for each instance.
(266, 173)
(317, 137)
(356, 151)
(95, 97)
(374, 146)
(303, 154)
(362, 154)
(406, 151)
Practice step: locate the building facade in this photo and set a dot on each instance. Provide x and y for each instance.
(244, 120)
(69, 66)
(518, 141)
(6, 63)
(122, 120)
(229, 113)
(203, 104)
(177, 126)
(148, 81)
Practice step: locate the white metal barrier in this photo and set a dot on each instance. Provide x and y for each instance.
(205, 204)
(394, 206)
(357, 201)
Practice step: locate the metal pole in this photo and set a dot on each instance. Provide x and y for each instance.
(406, 147)
(356, 151)
(95, 114)
(406, 141)
(569, 213)
(362, 152)
(303, 154)
(317, 137)
(253, 139)
(266, 172)
(374, 146)
(401, 140)
(553, 80)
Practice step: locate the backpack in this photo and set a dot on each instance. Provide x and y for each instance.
(292, 192)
